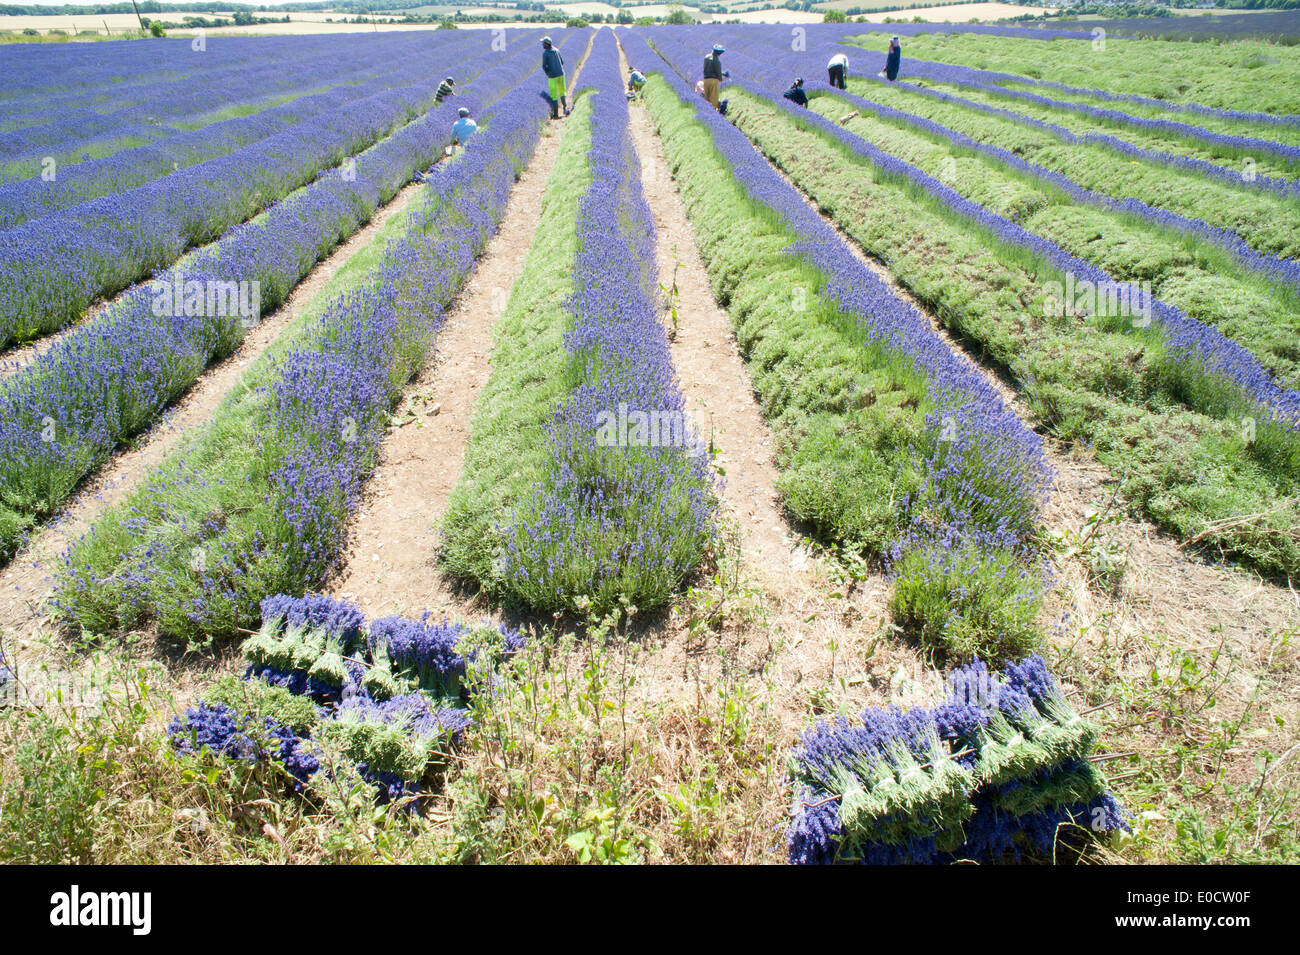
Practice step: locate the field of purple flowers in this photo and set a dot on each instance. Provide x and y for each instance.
(1008, 575)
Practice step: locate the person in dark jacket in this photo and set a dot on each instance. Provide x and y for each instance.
(553, 67)
(713, 74)
(893, 59)
(445, 88)
(795, 93)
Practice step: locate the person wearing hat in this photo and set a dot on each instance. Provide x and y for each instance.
(553, 67)
(463, 128)
(713, 74)
(445, 89)
(795, 93)
(837, 69)
(893, 59)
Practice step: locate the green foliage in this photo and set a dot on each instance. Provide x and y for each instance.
(1178, 72)
(1178, 441)
(261, 699)
(974, 603)
(156, 29)
(1206, 282)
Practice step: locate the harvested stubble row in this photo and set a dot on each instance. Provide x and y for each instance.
(1175, 433)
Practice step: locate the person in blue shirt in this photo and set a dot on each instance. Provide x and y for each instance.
(463, 128)
(635, 82)
(553, 67)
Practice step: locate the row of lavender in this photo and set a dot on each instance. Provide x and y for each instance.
(324, 692)
(1284, 272)
(51, 185)
(62, 415)
(1000, 771)
(962, 76)
(62, 124)
(53, 268)
(258, 501)
(585, 487)
(971, 483)
(1203, 352)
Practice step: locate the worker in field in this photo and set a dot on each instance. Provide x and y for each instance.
(553, 67)
(446, 88)
(713, 76)
(635, 82)
(893, 58)
(463, 128)
(837, 69)
(795, 93)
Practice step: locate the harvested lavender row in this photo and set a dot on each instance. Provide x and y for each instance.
(1288, 188)
(1191, 343)
(285, 458)
(971, 79)
(27, 199)
(62, 415)
(53, 268)
(1253, 116)
(992, 464)
(627, 504)
(390, 697)
(958, 479)
(1285, 272)
(998, 772)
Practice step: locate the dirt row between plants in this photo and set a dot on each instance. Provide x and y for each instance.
(390, 564)
(27, 582)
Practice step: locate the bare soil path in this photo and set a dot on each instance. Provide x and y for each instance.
(27, 581)
(713, 378)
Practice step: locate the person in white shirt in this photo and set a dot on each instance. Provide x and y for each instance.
(837, 69)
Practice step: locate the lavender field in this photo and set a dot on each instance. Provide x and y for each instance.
(511, 446)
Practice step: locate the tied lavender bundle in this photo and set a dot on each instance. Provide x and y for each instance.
(995, 773)
(389, 699)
